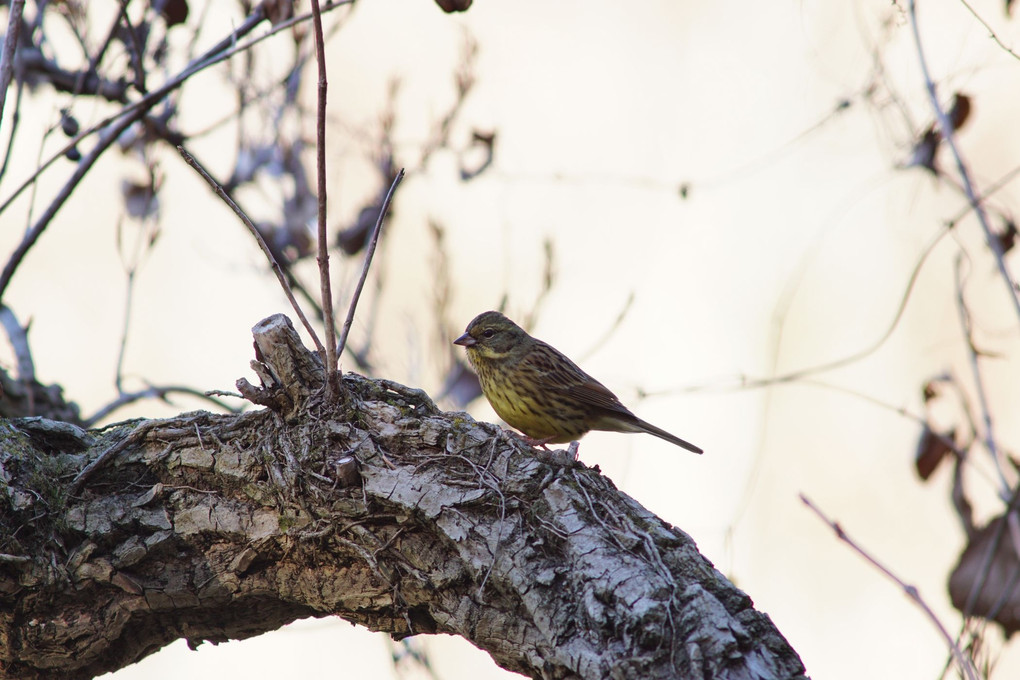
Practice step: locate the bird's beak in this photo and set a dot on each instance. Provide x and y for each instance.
(465, 341)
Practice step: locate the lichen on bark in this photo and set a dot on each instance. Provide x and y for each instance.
(376, 507)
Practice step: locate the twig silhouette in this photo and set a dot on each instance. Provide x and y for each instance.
(280, 275)
(10, 43)
(369, 252)
(946, 129)
(325, 285)
(966, 667)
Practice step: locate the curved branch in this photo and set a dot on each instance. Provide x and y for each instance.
(377, 508)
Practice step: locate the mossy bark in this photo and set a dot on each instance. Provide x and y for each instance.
(375, 507)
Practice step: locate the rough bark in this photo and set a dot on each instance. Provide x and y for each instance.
(377, 508)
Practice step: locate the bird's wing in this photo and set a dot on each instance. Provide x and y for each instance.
(554, 372)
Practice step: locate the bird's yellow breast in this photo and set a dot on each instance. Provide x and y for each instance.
(533, 412)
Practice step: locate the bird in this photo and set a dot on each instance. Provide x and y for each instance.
(536, 389)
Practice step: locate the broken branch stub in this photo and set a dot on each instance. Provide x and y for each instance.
(289, 373)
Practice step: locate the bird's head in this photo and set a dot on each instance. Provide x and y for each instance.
(493, 336)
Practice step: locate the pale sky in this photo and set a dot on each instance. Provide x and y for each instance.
(793, 249)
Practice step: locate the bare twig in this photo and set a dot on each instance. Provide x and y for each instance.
(464, 81)
(910, 591)
(280, 275)
(15, 120)
(548, 280)
(129, 295)
(991, 33)
(223, 50)
(10, 44)
(117, 123)
(748, 382)
(84, 165)
(144, 242)
(369, 252)
(158, 392)
(972, 353)
(97, 58)
(136, 436)
(608, 333)
(946, 128)
(441, 283)
(136, 57)
(322, 258)
(902, 411)
(18, 336)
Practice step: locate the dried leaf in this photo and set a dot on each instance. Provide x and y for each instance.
(450, 6)
(959, 112)
(352, 239)
(174, 12)
(931, 449)
(278, 11)
(484, 142)
(1007, 239)
(140, 199)
(68, 123)
(989, 588)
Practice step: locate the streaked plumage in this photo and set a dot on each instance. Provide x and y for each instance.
(542, 393)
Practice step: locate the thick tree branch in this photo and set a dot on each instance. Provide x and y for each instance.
(380, 509)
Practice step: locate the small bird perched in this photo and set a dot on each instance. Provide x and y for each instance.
(542, 393)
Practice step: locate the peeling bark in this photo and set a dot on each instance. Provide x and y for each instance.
(378, 508)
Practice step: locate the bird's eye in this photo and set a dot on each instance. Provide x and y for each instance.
(488, 333)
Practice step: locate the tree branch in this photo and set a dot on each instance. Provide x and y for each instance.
(10, 44)
(369, 253)
(946, 128)
(325, 284)
(377, 508)
(281, 276)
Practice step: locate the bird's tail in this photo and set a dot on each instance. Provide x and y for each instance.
(662, 434)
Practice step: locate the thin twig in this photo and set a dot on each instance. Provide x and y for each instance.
(991, 33)
(137, 59)
(129, 294)
(281, 277)
(979, 384)
(15, 120)
(899, 410)
(325, 286)
(911, 591)
(84, 165)
(946, 128)
(18, 337)
(369, 252)
(10, 44)
(989, 190)
(117, 124)
(223, 50)
(158, 392)
(136, 436)
(608, 333)
(94, 60)
(748, 382)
